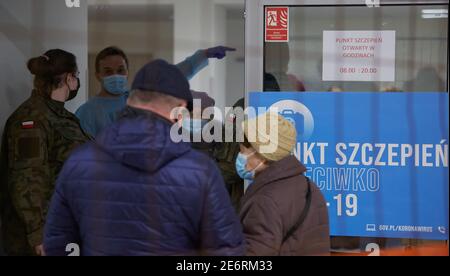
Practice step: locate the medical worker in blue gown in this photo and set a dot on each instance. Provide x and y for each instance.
(111, 66)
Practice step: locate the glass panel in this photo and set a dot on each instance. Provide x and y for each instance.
(421, 48)
(420, 66)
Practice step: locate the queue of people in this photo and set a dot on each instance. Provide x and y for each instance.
(114, 182)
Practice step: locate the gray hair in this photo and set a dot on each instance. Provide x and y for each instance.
(154, 98)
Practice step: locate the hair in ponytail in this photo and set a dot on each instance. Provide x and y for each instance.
(49, 69)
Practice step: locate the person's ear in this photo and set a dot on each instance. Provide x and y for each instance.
(69, 80)
(98, 77)
(261, 158)
(180, 119)
(181, 114)
(242, 148)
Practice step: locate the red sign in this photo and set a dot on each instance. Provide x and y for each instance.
(277, 24)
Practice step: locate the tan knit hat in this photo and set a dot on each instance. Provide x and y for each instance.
(271, 144)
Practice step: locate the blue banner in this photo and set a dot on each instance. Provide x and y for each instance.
(380, 159)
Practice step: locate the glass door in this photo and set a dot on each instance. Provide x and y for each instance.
(320, 47)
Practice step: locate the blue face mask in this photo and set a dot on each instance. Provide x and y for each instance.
(116, 84)
(241, 167)
(194, 126)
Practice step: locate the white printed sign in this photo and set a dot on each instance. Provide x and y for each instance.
(358, 56)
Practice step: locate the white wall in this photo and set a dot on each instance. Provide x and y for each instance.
(66, 28)
(15, 49)
(28, 28)
(208, 26)
(139, 37)
(197, 24)
(235, 77)
(141, 41)
(192, 31)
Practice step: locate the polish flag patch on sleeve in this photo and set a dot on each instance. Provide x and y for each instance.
(28, 125)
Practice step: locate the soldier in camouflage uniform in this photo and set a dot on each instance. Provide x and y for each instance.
(196, 115)
(225, 154)
(38, 138)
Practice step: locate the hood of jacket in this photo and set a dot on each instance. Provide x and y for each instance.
(141, 139)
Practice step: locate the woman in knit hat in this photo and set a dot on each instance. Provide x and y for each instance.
(282, 212)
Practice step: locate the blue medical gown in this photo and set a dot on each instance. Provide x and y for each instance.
(100, 112)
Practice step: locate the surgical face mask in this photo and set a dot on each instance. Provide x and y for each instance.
(116, 84)
(74, 93)
(194, 126)
(241, 167)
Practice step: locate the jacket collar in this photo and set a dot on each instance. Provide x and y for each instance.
(57, 107)
(133, 112)
(141, 139)
(285, 168)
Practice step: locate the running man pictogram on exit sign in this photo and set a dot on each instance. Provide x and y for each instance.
(277, 24)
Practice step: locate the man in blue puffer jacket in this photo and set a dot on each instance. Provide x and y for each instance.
(134, 191)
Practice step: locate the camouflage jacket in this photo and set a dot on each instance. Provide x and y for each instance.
(38, 138)
(225, 154)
